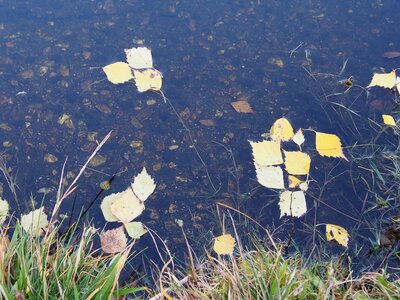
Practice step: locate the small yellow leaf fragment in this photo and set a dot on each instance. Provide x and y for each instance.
(293, 181)
(337, 233)
(385, 80)
(270, 176)
(297, 162)
(135, 229)
(281, 130)
(118, 72)
(292, 203)
(328, 145)
(389, 120)
(143, 185)
(224, 244)
(267, 153)
(114, 240)
(127, 206)
(149, 79)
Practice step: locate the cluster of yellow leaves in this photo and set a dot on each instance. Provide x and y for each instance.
(124, 207)
(139, 67)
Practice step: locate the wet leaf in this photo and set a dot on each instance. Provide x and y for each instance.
(106, 207)
(149, 79)
(139, 58)
(114, 240)
(389, 120)
(242, 106)
(224, 244)
(385, 80)
(328, 145)
(34, 222)
(297, 162)
(281, 130)
(292, 203)
(298, 138)
(391, 54)
(135, 229)
(4, 207)
(270, 176)
(127, 206)
(118, 72)
(337, 233)
(143, 185)
(267, 153)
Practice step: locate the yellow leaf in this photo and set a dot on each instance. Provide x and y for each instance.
(298, 138)
(139, 58)
(114, 240)
(135, 229)
(389, 120)
(292, 203)
(329, 145)
(127, 206)
(35, 222)
(385, 80)
(270, 176)
(143, 185)
(267, 153)
(337, 233)
(3, 210)
(293, 181)
(149, 79)
(281, 130)
(118, 72)
(106, 207)
(297, 162)
(224, 244)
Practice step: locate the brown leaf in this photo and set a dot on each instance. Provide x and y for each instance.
(114, 240)
(391, 54)
(242, 106)
(207, 122)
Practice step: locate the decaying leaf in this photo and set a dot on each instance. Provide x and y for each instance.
(270, 176)
(298, 138)
(242, 106)
(4, 207)
(281, 130)
(139, 58)
(385, 80)
(118, 72)
(297, 162)
(135, 229)
(267, 153)
(389, 120)
(114, 240)
(127, 206)
(224, 244)
(329, 145)
(293, 181)
(148, 79)
(292, 203)
(34, 222)
(337, 233)
(143, 185)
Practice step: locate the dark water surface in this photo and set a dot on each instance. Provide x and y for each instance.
(211, 53)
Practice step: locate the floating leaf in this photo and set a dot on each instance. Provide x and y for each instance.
(224, 244)
(292, 203)
(303, 186)
(4, 207)
(298, 138)
(385, 80)
(135, 229)
(389, 120)
(34, 222)
(297, 162)
(267, 153)
(337, 233)
(242, 106)
(118, 72)
(139, 58)
(329, 145)
(106, 206)
(270, 176)
(114, 240)
(293, 181)
(143, 185)
(281, 130)
(127, 206)
(149, 79)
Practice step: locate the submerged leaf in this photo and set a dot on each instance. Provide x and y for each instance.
(329, 145)
(34, 222)
(267, 153)
(149, 79)
(114, 240)
(224, 244)
(297, 162)
(143, 185)
(139, 58)
(135, 229)
(292, 203)
(127, 206)
(118, 72)
(270, 176)
(389, 120)
(385, 80)
(337, 233)
(242, 106)
(281, 130)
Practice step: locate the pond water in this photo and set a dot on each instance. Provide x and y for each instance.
(283, 57)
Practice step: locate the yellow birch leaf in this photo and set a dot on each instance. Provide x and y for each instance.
(118, 72)
(385, 80)
(4, 207)
(389, 120)
(281, 130)
(135, 229)
(292, 203)
(149, 79)
(328, 145)
(35, 222)
(270, 176)
(114, 240)
(293, 181)
(297, 162)
(398, 84)
(267, 153)
(224, 244)
(127, 206)
(298, 138)
(337, 233)
(139, 58)
(106, 207)
(143, 185)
